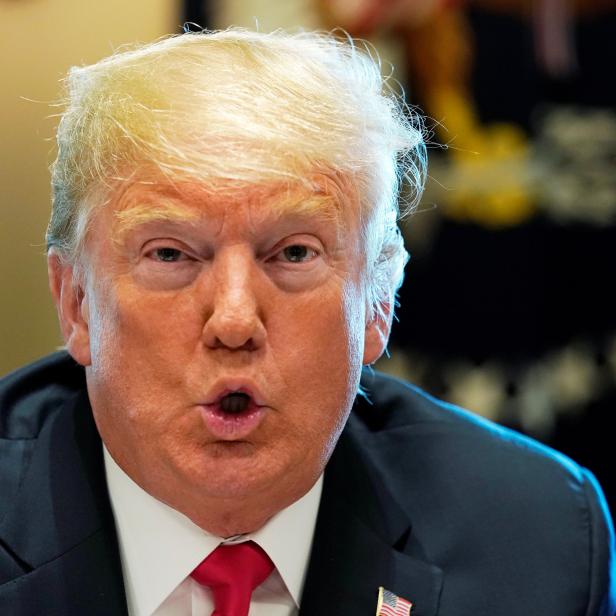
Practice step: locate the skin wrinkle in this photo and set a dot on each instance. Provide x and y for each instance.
(130, 218)
(327, 195)
(168, 204)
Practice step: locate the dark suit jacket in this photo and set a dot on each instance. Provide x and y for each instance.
(459, 516)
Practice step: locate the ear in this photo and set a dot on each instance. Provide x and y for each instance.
(377, 333)
(72, 306)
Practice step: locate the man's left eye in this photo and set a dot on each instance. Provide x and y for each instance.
(167, 255)
(297, 253)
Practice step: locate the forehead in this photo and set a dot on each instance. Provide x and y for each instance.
(319, 197)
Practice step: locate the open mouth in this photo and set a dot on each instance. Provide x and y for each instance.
(232, 416)
(235, 403)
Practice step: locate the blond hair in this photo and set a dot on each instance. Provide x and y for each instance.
(241, 107)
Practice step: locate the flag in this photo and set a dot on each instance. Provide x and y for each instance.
(390, 604)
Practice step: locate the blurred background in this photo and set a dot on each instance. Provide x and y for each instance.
(507, 308)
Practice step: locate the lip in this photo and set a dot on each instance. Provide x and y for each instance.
(229, 386)
(227, 426)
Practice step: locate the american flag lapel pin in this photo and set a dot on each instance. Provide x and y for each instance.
(389, 604)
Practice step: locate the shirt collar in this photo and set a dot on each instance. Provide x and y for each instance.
(160, 546)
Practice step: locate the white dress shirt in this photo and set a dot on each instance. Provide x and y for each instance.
(159, 547)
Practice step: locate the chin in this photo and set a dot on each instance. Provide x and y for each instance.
(231, 470)
(264, 483)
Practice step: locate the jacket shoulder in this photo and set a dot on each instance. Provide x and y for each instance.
(31, 394)
(30, 398)
(476, 491)
(394, 406)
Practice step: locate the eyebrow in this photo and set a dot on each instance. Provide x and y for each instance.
(144, 213)
(322, 205)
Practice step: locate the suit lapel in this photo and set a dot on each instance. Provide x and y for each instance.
(61, 528)
(363, 540)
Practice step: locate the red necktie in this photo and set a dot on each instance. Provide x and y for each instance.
(232, 572)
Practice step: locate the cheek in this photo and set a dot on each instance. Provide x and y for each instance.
(319, 348)
(328, 322)
(139, 320)
(136, 344)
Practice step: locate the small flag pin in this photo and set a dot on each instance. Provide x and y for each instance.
(389, 604)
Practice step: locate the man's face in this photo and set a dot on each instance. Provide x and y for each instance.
(189, 298)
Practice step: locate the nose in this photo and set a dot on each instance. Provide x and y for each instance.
(234, 321)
